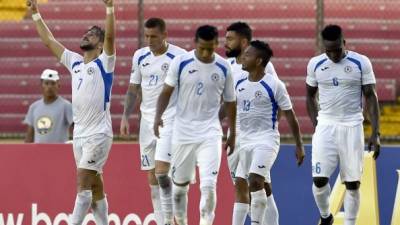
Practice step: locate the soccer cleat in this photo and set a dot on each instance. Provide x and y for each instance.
(327, 221)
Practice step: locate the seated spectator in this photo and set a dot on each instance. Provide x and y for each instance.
(49, 119)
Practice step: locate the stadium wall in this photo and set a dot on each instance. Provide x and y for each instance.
(38, 187)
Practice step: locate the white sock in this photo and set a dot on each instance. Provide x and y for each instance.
(180, 203)
(258, 206)
(321, 196)
(208, 202)
(351, 206)
(166, 197)
(82, 205)
(271, 213)
(240, 211)
(100, 211)
(155, 200)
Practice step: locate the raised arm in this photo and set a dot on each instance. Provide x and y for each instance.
(45, 34)
(312, 104)
(371, 99)
(109, 46)
(162, 103)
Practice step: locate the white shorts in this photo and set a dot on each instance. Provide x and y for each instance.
(92, 152)
(151, 148)
(233, 161)
(206, 155)
(257, 159)
(338, 143)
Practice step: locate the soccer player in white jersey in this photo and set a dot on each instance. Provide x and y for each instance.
(149, 69)
(259, 96)
(200, 77)
(341, 78)
(92, 76)
(237, 38)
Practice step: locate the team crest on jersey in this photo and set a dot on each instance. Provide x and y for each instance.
(215, 77)
(44, 125)
(348, 69)
(164, 67)
(258, 94)
(90, 71)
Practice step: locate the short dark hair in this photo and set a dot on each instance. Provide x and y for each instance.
(332, 32)
(98, 31)
(241, 28)
(265, 51)
(207, 33)
(156, 22)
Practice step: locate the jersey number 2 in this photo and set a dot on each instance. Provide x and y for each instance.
(200, 88)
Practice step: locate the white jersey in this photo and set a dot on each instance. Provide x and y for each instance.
(258, 104)
(238, 73)
(150, 71)
(339, 86)
(91, 93)
(200, 86)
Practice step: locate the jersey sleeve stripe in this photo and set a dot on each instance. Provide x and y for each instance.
(107, 79)
(273, 101)
(182, 66)
(223, 68)
(355, 61)
(143, 57)
(319, 64)
(76, 64)
(240, 81)
(170, 55)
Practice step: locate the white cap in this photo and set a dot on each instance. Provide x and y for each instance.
(50, 75)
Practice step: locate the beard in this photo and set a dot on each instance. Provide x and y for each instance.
(233, 53)
(87, 47)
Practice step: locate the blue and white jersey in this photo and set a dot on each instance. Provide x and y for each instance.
(258, 104)
(238, 73)
(200, 86)
(91, 93)
(339, 86)
(150, 72)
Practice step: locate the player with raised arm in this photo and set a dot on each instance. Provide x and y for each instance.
(92, 76)
(201, 77)
(149, 69)
(259, 96)
(237, 39)
(341, 78)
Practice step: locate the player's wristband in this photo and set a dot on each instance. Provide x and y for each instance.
(36, 17)
(110, 10)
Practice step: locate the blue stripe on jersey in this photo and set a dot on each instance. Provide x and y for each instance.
(319, 64)
(240, 81)
(355, 61)
(172, 56)
(181, 66)
(232, 62)
(222, 67)
(108, 79)
(143, 57)
(76, 63)
(273, 101)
